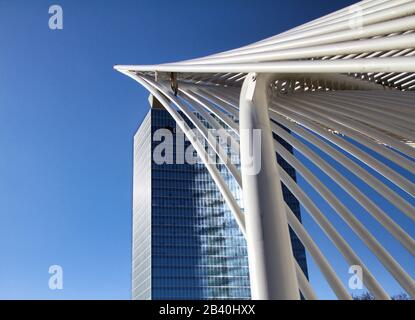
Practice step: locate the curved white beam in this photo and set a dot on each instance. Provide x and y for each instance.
(221, 184)
(347, 125)
(369, 280)
(234, 145)
(375, 211)
(201, 128)
(386, 259)
(391, 11)
(381, 168)
(211, 109)
(271, 261)
(325, 267)
(400, 64)
(371, 45)
(372, 181)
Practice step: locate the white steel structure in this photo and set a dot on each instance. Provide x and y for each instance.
(344, 87)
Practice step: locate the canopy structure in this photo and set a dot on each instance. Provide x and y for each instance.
(340, 91)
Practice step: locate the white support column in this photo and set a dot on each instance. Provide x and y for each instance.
(271, 260)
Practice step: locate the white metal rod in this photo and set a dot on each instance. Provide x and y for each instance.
(344, 123)
(394, 12)
(365, 19)
(353, 167)
(219, 101)
(400, 64)
(303, 284)
(220, 183)
(321, 261)
(368, 279)
(347, 13)
(384, 257)
(384, 170)
(356, 46)
(386, 11)
(387, 101)
(375, 109)
(377, 185)
(381, 28)
(234, 145)
(201, 128)
(226, 97)
(376, 103)
(203, 101)
(270, 255)
(304, 26)
(377, 213)
(346, 107)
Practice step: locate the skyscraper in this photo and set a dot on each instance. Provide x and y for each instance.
(186, 243)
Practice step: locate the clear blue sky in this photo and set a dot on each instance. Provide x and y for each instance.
(67, 120)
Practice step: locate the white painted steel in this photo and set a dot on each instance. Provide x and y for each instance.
(271, 262)
(340, 91)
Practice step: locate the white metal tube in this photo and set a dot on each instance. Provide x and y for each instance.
(210, 119)
(271, 261)
(217, 99)
(348, 47)
(369, 280)
(384, 170)
(377, 213)
(386, 11)
(203, 101)
(354, 168)
(345, 13)
(366, 18)
(303, 284)
(386, 103)
(304, 26)
(220, 183)
(378, 110)
(321, 261)
(201, 128)
(356, 129)
(377, 185)
(399, 64)
(346, 107)
(395, 199)
(394, 12)
(227, 98)
(386, 259)
(364, 132)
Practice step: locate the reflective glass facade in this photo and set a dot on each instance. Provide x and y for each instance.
(186, 244)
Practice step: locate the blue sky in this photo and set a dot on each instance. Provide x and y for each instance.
(67, 120)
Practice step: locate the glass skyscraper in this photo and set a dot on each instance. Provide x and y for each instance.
(186, 243)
